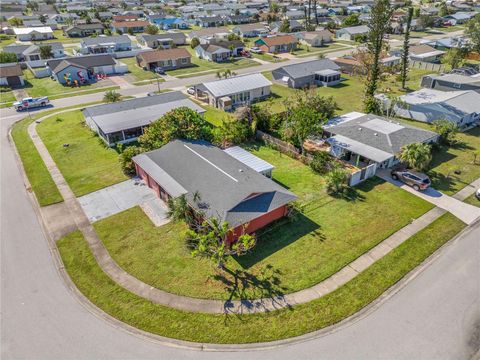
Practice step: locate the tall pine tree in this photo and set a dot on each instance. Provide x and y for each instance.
(406, 47)
(379, 24)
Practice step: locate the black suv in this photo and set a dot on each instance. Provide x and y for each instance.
(414, 179)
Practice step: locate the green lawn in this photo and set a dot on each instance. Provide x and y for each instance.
(215, 116)
(329, 234)
(304, 50)
(472, 200)
(6, 98)
(61, 37)
(138, 72)
(392, 85)
(36, 87)
(208, 328)
(87, 164)
(268, 57)
(6, 40)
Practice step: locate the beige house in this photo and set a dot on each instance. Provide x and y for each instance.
(315, 38)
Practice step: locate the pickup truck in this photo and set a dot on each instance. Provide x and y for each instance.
(29, 103)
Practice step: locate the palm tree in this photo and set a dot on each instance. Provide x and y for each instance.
(416, 155)
(111, 96)
(46, 52)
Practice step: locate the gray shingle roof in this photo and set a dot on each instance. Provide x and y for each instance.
(225, 184)
(120, 39)
(170, 35)
(308, 68)
(138, 112)
(379, 133)
(81, 61)
(361, 29)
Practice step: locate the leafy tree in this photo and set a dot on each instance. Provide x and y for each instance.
(443, 10)
(321, 162)
(447, 131)
(231, 132)
(6, 57)
(130, 31)
(126, 156)
(454, 57)
(233, 36)
(472, 30)
(379, 24)
(194, 43)
(108, 32)
(336, 180)
(46, 52)
(180, 123)
(42, 18)
(406, 47)
(285, 26)
(111, 96)
(151, 29)
(426, 21)
(352, 20)
(416, 155)
(179, 210)
(209, 241)
(274, 7)
(15, 21)
(416, 12)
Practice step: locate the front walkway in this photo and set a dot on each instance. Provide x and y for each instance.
(134, 285)
(465, 212)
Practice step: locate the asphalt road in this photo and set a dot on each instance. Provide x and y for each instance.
(437, 316)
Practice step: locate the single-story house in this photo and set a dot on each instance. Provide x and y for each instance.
(210, 21)
(293, 26)
(364, 139)
(64, 17)
(166, 59)
(350, 65)
(350, 33)
(34, 33)
(428, 105)
(449, 82)
(163, 41)
(239, 19)
(32, 52)
(250, 30)
(321, 72)
(84, 68)
(105, 44)
(228, 93)
(425, 53)
(219, 51)
(204, 35)
(124, 121)
(295, 15)
(124, 18)
(459, 17)
(136, 26)
(316, 38)
(84, 30)
(166, 23)
(230, 190)
(277, 44)
(11, 75)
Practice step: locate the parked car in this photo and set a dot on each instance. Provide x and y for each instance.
(246, 54)
(412, 178)
(477, 194)
(30, 103)
(160, 70)
(256, 50)
(191, 91)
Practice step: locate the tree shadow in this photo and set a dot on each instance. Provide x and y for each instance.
(349, 194)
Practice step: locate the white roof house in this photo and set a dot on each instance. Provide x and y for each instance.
(252, 161)
(225, 87)
(428, 105)
(33, 33)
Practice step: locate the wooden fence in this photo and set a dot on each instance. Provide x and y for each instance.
(427, 66)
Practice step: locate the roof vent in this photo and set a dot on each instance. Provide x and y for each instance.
(359, 129)
(376, 134)
(240, 170)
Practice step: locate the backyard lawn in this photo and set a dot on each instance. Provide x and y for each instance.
(36, 87)
(282, 324)
(87, 164)
(330, 233)
(6, 40)
(304, 50)
(138, 72)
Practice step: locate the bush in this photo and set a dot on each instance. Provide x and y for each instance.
(447, 131)
(126, 156)
(194, 43)
(336, 181)
(321, 162)
(231, 133)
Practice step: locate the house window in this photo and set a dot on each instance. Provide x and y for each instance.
(184, 60)
(457, 86)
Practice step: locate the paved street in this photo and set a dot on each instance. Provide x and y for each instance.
(437, 315)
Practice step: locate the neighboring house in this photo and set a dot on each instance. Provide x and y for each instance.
(34, 33)
(84, 30)
(84, 68)
(105, 44)
(169, 23)
(64, 17)
(136, 26)
(239, 19)
(425, 53)
(163, 41)
(230, 190)
(209, 33)
(321, 72)
(428, 105)
(391, 60)
(250, 30)
(32, 52)
(210, 21)
(295, 15)
(228, 93)
(449, 82)
(350, 33)
(365, 139)
(124, 121)
(294, 26)
(120, 18)
(460, 17)
(11, 75)
(277, 44)
(166, 59)
(316, 38)
(219, 51)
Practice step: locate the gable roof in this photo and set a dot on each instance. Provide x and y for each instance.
(26, 31)
(376, 132)
(169, 35)
(308, 68)
(137, 112)
(208, 31)
(118, 39)
(165, 54)
(130, 24)
(10, 69)
(278, 40)
(236, 84)
(92, 26)
(251, 27)
(361, 29)
(313, 34)
(423, 49)
(188, 167)
(86, 61)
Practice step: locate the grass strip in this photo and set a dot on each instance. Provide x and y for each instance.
(328, 310)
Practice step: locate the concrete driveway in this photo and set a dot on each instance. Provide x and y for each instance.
(122, 196)
(465, 212)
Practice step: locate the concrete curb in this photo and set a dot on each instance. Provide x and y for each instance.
(85, 302)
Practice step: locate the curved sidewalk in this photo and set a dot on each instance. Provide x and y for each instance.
(134, 285)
